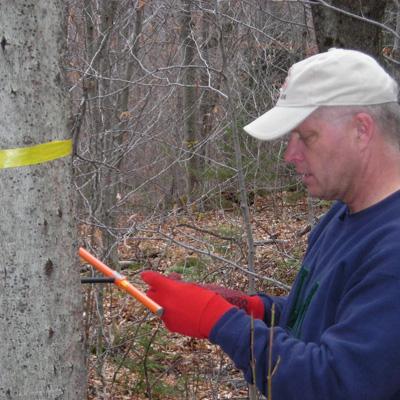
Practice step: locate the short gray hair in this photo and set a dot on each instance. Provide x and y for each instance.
(387, 117)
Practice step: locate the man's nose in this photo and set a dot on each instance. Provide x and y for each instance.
(293, 152)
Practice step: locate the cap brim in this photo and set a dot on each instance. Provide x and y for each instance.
(278, 122)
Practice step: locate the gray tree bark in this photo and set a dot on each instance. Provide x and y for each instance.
(189, 100)
(104, 141)
(339, 29)
(42, 353)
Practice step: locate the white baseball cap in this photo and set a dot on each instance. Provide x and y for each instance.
(337, 77)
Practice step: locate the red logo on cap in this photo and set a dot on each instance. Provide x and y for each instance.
(284, 86)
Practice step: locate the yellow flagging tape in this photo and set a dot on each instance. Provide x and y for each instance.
(40, 153)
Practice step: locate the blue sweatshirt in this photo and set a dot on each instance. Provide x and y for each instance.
(337, 335)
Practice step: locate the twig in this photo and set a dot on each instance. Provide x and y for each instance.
(270, 241)
(126, 353)
(271, 371)
(271, 339)
(222, 259)
(391, 59)
(253, 386)
(145, 368)
(229, 238)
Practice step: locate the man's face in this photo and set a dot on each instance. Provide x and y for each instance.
(324, 151)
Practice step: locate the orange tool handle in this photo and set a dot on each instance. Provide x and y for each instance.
(121, 282)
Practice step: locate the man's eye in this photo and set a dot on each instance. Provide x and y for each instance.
(307, 139)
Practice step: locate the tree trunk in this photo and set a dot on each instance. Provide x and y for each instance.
(394, 56)
(338, 29)
(396, 42)
(104, 142)
(189, 101)
(42, 355)
(208, 99)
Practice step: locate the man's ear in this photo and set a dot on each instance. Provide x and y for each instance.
(365, 128)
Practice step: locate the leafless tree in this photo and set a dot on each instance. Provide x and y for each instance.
(42, 354)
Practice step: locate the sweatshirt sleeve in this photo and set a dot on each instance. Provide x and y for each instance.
(268, 301)
(357, 357)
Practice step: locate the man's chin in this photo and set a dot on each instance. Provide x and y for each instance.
(318, 194)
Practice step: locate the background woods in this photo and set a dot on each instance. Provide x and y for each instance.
(167, 180)
(164, 176)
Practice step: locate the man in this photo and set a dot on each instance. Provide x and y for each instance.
(337, 334)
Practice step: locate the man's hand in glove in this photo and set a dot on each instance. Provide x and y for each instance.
(252, 305)
(188, 308)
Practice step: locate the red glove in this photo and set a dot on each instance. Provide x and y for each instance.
(188, 308)
(253, 305)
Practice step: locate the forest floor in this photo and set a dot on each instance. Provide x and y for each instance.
(131, 355)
